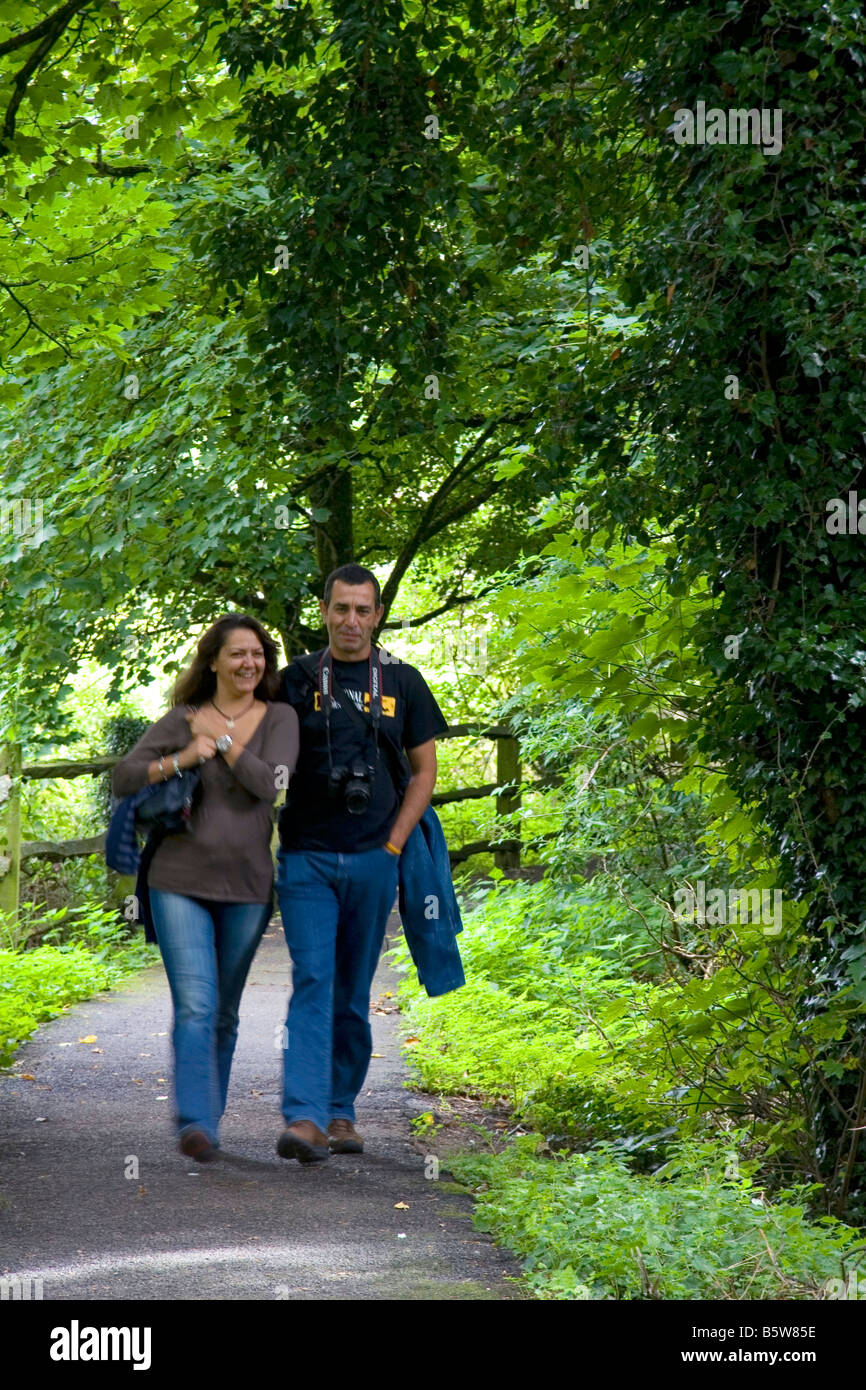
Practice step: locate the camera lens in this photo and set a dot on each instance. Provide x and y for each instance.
(357, 796)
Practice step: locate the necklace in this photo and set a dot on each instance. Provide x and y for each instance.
(230, 720)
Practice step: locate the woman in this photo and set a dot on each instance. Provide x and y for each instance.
(210, 887)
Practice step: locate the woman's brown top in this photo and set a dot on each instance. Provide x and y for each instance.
(226, 853)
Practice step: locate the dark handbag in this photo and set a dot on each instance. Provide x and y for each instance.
(167, 811)
(171, 804)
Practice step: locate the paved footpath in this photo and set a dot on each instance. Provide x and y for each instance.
(251, 1226)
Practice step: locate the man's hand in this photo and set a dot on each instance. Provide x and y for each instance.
(419, 790)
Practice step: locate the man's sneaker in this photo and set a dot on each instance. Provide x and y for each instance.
(304, 1141)
(343, 1138)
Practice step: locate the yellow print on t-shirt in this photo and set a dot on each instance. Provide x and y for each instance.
(389, 702)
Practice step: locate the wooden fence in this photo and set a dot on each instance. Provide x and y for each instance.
(12, 773)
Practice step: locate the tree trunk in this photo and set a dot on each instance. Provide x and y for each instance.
(335, 544)
(507, 770)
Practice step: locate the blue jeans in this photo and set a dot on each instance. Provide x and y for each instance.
(334, 909)
(207, 948)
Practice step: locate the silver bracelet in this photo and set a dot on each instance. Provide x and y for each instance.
(176, 765)
(162, 769)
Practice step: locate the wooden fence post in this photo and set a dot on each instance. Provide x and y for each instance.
(10, 829)
(507, 770)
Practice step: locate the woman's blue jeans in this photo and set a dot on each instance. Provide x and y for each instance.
(207, 948)
(334, 909)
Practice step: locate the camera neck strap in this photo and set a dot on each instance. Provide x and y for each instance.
(328, 682)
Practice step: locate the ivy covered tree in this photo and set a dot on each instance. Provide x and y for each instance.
(734, 417)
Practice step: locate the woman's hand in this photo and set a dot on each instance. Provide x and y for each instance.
(198, 751)
(205, 722)
(202, 748)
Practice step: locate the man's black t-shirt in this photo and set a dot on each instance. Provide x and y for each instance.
(311, 818)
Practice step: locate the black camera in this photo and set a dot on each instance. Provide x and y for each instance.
(354, 784)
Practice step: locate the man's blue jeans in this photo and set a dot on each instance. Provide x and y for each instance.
(334, 909)
(207, 948)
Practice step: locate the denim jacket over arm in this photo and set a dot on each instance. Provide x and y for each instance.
(428, 907)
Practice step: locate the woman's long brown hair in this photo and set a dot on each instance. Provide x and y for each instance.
(198, 682)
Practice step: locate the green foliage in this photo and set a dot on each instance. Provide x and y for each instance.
(330, 180)
(540, 964)
(38, 985)
(56, 809)
(107, 936)
(93, 106)
(717, 432)
(187, 421)
(566, 987)
(122, 732)
(589, 1227)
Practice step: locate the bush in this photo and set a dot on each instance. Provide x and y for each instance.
(39, 984)
(590, 1228)
(541, 964)
(560, 1018)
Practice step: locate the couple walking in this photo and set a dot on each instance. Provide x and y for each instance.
(334, 723)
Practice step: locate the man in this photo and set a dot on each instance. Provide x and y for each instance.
(341, 835)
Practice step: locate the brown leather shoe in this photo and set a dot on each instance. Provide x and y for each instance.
(304, 1141)
(195, 1144)
(343, 1138)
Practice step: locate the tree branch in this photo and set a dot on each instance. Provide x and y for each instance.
(424, 529)
(118, 171)
(47, 25)
(453, 602)
(476, 421)
(51, 28)
(472, 505)
(31, 322)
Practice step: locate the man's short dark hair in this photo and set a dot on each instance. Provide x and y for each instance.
(351, 574)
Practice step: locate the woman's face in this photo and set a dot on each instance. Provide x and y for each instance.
(240, 663)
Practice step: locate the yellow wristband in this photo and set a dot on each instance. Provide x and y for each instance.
(392, 849)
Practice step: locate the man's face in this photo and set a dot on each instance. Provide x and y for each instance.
(351, 618)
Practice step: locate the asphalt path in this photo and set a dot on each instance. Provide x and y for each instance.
(98, 1204)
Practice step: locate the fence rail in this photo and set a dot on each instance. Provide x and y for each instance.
(68, 770)
(63, 849)
(12, 773)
